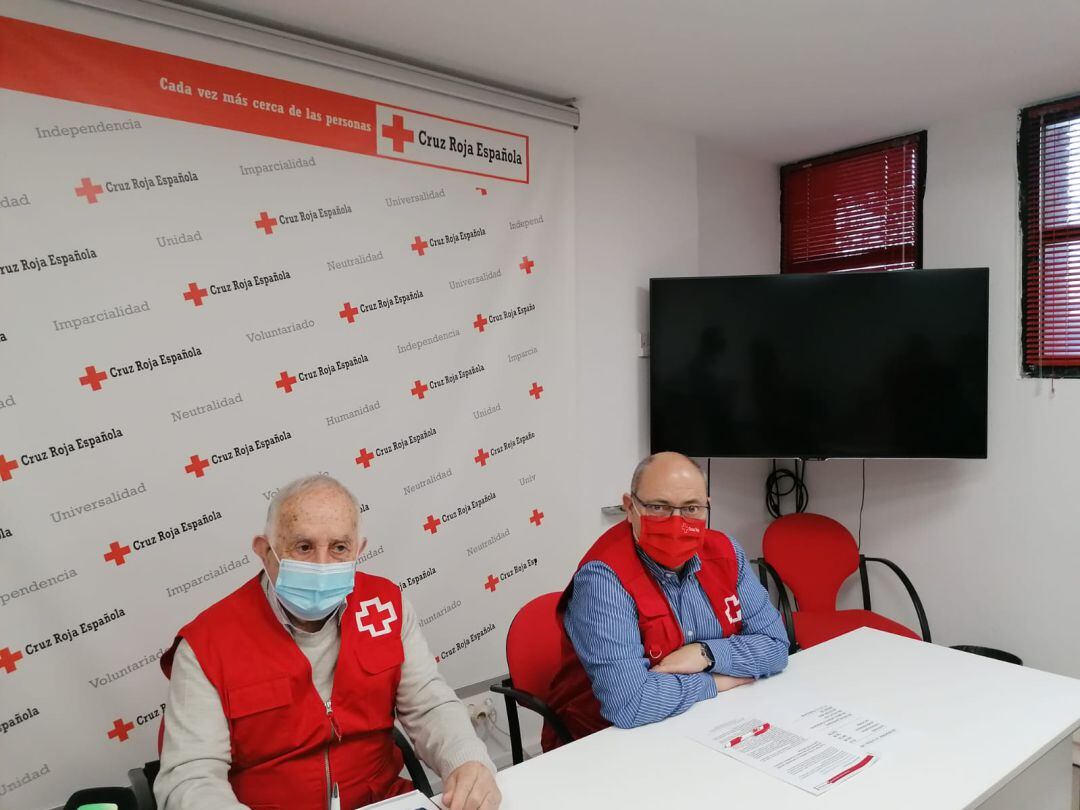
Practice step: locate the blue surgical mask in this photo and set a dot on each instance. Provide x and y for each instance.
(312, 591)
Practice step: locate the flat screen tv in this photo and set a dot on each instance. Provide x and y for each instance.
(839, 365)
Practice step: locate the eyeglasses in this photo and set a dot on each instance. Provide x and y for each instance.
(694, 511)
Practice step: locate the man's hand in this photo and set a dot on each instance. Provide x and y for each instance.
(471, 787)
(683, 661)
(725, 682)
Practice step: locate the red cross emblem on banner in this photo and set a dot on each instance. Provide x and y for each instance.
(197, 467)
(120, 730)
(8, 659)
(492, 583)
(7, 467)
(732, 609)
(93, 378)
(266, 222)
(376, 608)
(88, 189)
(349, 312)
(117, 553)
(286, 382)
(195, 294)
(397, 133)
(419, 245)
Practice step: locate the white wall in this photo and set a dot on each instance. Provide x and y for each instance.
(738, 212)
(993, 546)
(637, 217)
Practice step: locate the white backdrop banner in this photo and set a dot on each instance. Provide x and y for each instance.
(219, 274)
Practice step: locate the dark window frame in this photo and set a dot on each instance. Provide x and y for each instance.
(1031, 121)
(856, 151)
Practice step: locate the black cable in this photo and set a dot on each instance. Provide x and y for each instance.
(862, 503)
(783, 482)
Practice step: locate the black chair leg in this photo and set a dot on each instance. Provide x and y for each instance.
(920, 611)
(412, 763)
(533, 703)
(517, 750)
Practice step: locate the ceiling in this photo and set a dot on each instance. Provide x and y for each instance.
(780, 79)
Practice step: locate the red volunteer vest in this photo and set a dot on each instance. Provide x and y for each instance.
(571, 695)
(284, 738)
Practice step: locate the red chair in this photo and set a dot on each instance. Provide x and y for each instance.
(812, 555)
(533, 655)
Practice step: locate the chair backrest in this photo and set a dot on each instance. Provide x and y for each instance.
(142, 784)
(813, 555)
(534, 645)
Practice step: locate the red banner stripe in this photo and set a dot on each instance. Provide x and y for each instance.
(61, 64)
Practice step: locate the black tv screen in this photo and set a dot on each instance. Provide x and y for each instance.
(839, 365)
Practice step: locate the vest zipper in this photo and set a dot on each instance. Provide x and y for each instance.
(330, 786)
(333, 726)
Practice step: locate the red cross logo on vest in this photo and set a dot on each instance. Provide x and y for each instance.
(732, 609)
(375, 608)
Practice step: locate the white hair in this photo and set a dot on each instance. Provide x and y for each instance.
(299, 487)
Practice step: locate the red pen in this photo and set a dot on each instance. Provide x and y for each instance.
(756, 732)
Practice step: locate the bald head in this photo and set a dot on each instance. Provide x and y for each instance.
(665, 465)
(301, 493)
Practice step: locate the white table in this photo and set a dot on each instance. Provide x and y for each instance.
(990, 735)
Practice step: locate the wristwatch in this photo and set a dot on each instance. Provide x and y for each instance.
(708, 655)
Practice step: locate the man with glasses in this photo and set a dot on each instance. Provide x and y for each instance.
(662, 611)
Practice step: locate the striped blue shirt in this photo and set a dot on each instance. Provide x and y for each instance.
(601, 620)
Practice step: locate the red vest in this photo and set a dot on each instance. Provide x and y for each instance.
(284, 738)
(571, 695)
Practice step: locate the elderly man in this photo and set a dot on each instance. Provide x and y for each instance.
(284, 693)
(662, 611)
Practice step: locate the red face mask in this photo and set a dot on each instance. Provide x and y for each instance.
(671, 541)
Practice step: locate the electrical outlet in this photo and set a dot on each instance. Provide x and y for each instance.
(482, 714)
(477, 713)
(643, 344)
